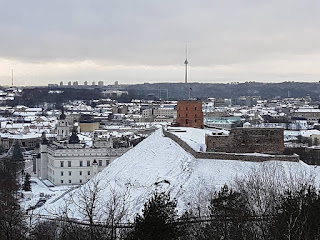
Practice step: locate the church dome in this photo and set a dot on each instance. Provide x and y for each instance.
(74, 139)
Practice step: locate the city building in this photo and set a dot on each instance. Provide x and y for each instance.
(113, 93)
(310, 114)
(71, 161)
(189, 113)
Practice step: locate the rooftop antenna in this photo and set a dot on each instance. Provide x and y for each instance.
(12, 77)
(186, 63)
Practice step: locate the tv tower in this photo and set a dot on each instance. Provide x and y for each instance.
(186, 63)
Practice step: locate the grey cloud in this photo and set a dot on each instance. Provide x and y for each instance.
(155, 32)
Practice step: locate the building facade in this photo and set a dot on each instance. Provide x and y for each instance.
(310, 114)
(189, 113)
(69, 161)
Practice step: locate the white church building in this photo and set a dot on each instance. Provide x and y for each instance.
(67, 160)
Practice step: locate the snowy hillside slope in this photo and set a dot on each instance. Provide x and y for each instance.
(158, 163)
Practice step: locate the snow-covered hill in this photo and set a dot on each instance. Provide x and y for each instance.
(158, 163)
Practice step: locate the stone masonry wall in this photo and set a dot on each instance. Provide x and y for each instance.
(248, 140)
(229, 156)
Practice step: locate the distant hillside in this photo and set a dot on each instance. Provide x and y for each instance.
(35, 96)
(204, 90)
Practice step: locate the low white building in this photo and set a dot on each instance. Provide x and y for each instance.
(309, 113)
(71, 161)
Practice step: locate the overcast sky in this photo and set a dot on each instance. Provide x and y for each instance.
(137, 41)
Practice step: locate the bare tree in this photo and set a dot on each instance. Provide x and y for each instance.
(198, 198)
(89, 214)
(263, 187)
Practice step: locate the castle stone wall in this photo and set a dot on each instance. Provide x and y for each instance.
(229, 156)
(248, 140)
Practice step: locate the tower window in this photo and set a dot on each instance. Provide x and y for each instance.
(69, 163)
(61, 164)
(88, 163)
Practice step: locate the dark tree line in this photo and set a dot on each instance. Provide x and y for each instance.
(33, 97)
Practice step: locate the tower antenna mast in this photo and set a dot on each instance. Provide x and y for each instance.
(186, 63)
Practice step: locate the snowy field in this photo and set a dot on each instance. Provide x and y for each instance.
(158, 163)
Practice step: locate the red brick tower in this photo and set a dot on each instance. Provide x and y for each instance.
(189, 113)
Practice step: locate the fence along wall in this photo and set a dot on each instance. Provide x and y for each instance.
(229, 156)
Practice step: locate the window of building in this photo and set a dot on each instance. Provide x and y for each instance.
(69, 173)
(195, 120)
(107, 162)
(186, 108)
(61, 164)
(80, 163)
(195, 108)
(61, 181)
(187, 121)
(80, 173)
(88, 163)
(69, 181)
(61, 173)
(80, 180)
(186, 114)
(88, 172)
(69, 163)
(100, 163)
